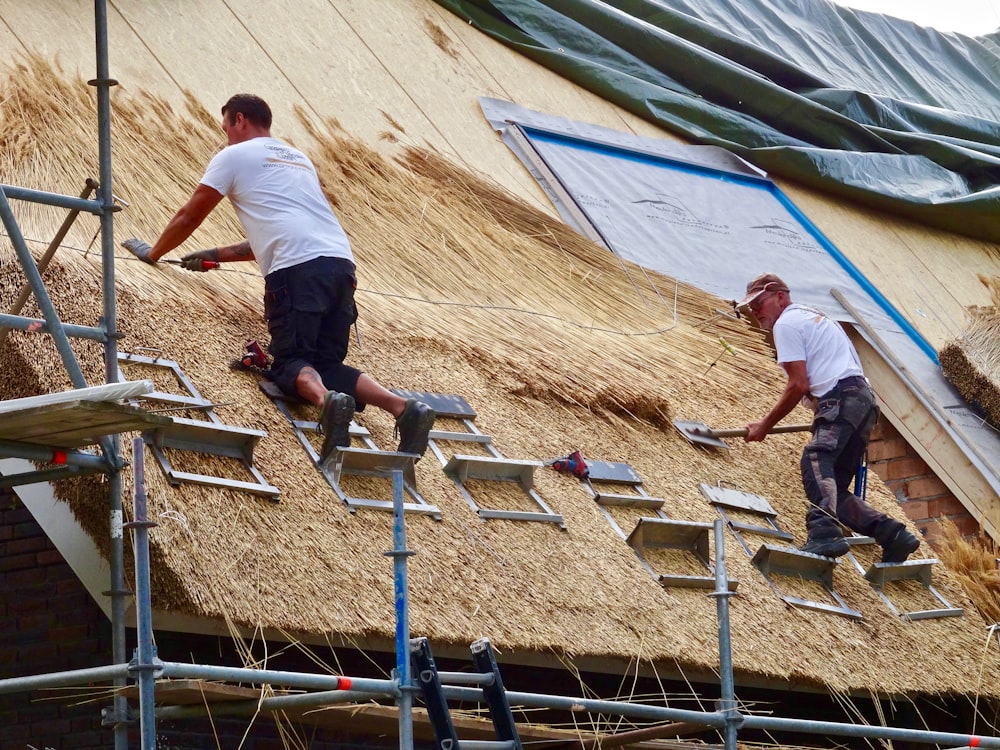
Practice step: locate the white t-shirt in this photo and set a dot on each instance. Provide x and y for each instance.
(279, 202)
(805, 333)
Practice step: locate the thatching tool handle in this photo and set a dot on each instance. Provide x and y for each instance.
(742, 431)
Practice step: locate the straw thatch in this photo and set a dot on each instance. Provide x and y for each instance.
(555, 342)
(975, 563)
(971, 362)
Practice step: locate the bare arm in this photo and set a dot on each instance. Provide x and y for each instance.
(796, 387)
(230, 253)
(188, 218)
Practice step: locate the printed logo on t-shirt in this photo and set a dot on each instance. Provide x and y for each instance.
(285, 157)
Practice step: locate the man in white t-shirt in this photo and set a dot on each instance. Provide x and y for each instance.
(824, 371)
(308, 268)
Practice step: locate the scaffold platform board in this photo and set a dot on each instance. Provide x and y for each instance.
(78, 418)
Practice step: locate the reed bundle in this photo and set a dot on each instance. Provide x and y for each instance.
(971, 362)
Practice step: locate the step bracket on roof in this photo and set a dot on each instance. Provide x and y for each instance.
(728, 499)
(365, 462)
(880, 574)
(660, 531)
(492, 467)
(773, 561)
(208, 436)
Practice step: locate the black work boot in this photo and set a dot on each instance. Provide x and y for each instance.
(414, 425)
(826, 547)
(335, 423)
(900, 546)
(826, 538)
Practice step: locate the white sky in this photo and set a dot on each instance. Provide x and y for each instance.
(971, 17)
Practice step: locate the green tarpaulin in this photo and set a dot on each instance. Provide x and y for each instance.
(882, 111)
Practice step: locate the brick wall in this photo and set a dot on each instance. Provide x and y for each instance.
(923, 497)
(50, 623)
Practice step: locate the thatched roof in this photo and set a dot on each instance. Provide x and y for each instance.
(557, 345)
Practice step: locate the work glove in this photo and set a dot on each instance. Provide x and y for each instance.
(140, 250)
(201, 260)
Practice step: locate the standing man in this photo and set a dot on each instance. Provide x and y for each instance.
(823, 369)
(308, 270)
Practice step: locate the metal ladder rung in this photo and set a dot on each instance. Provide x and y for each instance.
(693, 582)
(859, 541)
(628, 501)
(206, 480)
(354, 430)
(208, 437)
(467, 678)
(177, 399)
(930, 614)
(464, 437)
(763, 530)
(488, 468)
(386, 505)
(520, 515)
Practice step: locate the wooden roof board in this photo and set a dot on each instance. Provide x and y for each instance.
(106, 392)
(929, 275)
(52, 27)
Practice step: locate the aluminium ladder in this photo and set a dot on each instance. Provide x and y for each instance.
(209, 436)
(881, 575)
(650, 532)
(771, 560)
(490, 467)
(367, 462)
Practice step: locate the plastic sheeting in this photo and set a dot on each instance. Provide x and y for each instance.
(697, 214)
(899, 117)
